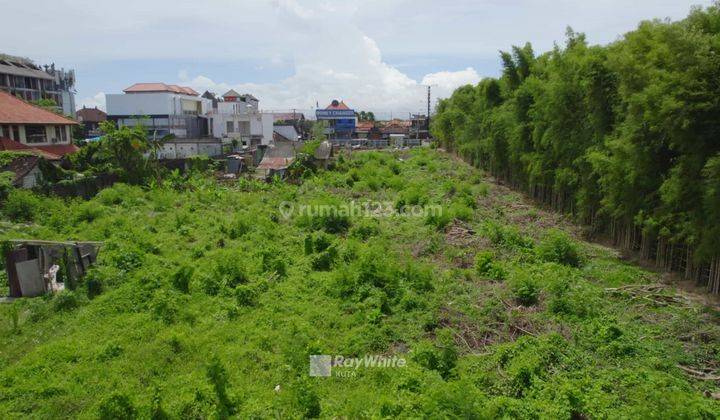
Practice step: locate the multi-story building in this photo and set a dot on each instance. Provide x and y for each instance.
(23, 78)
(238, 117)
(163, 109)
(340, 118)
(34, 129)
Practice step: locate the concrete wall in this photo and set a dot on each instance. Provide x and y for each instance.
(182, 150)
(267, 128)
(156, 103)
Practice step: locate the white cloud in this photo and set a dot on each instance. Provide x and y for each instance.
(97, 100)
(335, 59)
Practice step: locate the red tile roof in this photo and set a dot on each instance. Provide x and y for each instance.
(59, 149)
(16, 111)
(337, 105)
(364, 125)
(9, 145)
(91, 115)
(160, 87)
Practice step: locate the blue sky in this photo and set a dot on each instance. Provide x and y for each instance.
(375, 54)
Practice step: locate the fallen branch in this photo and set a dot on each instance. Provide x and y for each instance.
(699, 374)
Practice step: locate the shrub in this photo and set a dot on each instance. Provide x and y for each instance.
(365, 229)
(64, 301)
(117, 407)
(218, 377)
(308, 401)
(441, 358)
(246, 295)
(559, 248)
(231, 270)
(485, 265)
(461, 211)
(181, 278)
(274, 262)
(21, 205)
(94, 286)
(165, 306)
(525, 289)
(439, 219)
(325, 259)
(88, 211)
(507, 236)
(329, 216)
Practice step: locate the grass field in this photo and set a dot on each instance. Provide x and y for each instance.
(207, 301)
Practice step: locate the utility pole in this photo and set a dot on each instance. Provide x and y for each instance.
(428, 114)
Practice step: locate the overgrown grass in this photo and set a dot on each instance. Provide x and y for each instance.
(207, 302)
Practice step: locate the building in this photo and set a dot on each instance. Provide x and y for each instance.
(164, 109)
(395, 127)
(23, 78)
(238, 117)
(294, 118)
(419, 127)
(362, 129)
(24, 126)
(341, 120)
(287, 131)
(25, 169)
(90, 118)
(289, 117)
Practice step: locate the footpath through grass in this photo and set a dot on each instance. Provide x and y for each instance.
(209, 298)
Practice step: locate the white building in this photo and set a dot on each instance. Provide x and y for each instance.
(237, 117)
(164, 109)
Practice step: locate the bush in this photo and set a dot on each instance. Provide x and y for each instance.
(274, 262)
(117, 407)
(246, 295)
(165, 306)
(64, 301)
(88, 211)
(330, 216)
(441, 358)
(525, 289)
(94, 286)
(506, 236)
(231, 270)
(439, 219)
(461, 211)
(181, 278)
(21, 205)
(365, 229)
(485, 265)
(325, 259)
(559, 248)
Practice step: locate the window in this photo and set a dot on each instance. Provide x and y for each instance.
(35, 134)
(230, 126)
(57, 134)
(16, 133)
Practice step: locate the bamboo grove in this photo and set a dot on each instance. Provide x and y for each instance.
(625, 137)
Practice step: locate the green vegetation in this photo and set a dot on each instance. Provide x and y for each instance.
(207, 302)
(622, 136)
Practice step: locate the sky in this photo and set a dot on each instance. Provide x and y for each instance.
(376, 55)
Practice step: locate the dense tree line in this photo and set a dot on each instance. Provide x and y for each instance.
(626, 137)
